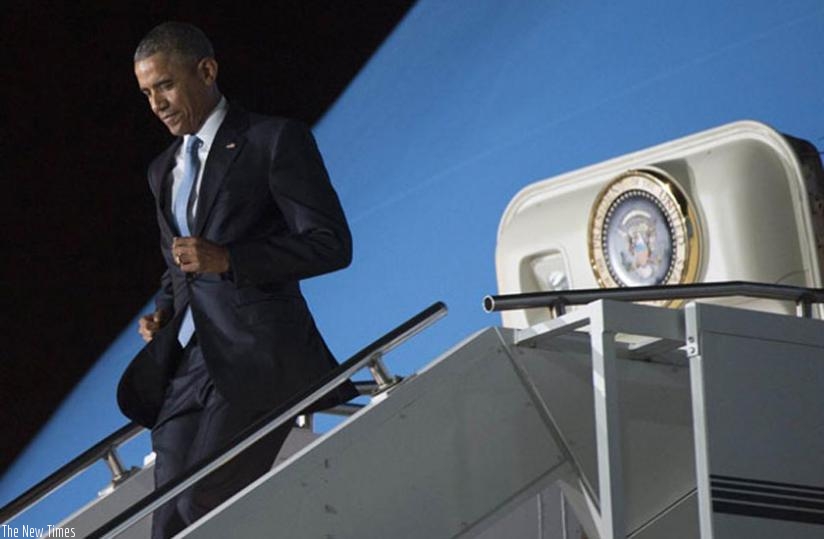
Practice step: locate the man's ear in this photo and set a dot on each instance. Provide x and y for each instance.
(207, 69)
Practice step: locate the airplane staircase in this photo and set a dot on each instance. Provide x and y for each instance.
(697, 422)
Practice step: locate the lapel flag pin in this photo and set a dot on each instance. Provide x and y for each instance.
(231, 146)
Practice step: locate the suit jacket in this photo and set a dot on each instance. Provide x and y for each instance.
(266, 196)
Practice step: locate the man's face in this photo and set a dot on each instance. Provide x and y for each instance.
(181, 94)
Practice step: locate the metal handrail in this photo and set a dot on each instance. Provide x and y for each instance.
(271, 421)
(104, 449)
(558, 301)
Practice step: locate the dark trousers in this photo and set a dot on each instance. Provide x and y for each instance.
(195, 421)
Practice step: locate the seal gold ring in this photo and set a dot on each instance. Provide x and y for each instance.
(644, 231)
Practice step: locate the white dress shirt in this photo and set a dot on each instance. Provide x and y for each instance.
(206, 134)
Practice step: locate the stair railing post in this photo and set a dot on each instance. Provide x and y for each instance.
(381, 374)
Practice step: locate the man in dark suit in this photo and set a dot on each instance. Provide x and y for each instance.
(245, 210)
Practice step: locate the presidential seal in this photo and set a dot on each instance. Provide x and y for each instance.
(643, 231)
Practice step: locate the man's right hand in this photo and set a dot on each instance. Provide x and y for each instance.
(151, 323)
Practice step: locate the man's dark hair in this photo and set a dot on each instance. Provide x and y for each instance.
(186, 40)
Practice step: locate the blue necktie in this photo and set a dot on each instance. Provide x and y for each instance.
(191, 165)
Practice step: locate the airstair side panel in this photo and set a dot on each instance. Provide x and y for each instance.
(112, 501)
(447, 452)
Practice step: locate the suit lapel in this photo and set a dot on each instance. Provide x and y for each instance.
(162, 177)
(227, 145)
